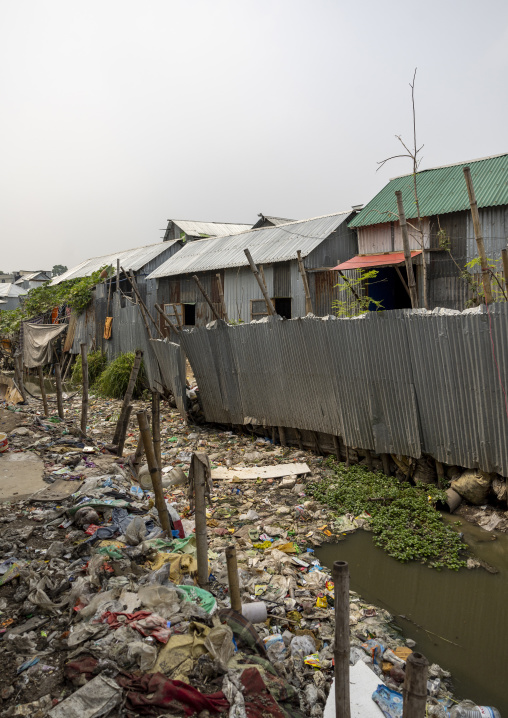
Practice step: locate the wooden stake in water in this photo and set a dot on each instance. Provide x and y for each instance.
(84, 400)
(154, 472)
(59, 393)
(128, 395)
(414, 689)
(341, 646)
(233, 581)
(43, 391)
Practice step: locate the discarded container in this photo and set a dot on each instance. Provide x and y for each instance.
(4, 444)
(453, 500)
(469, 710)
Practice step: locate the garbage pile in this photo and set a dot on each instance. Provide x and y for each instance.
(101, 614)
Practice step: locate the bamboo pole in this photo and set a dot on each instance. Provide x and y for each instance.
(18, 375)
(504, 255)
(128, 395)
(205, 295)
(156, 427)
(123, 433)
(414, 688)
(221, 295)
(262, 273)
(487, 288)
(407, 252)
(140, 450)
(264, 292)
(336, 447)
(198, 471)
(177, 315)
(84, 400)
(166, 318)
(341, 645)
(385, 458)
(154, 472)
(282, 436)
(303, 273)
(135, 289)
(233, 581)
(59, 396)
(43, 391)
(69, 364)
(118, 277)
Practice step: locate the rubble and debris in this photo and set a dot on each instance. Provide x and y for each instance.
(101, 612)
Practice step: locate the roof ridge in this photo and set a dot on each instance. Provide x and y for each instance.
(452, 164)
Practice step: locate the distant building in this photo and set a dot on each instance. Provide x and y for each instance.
(10, 295)
(323, 241)
(30, 280)
(445, 221)
(7, 278)
(186, 229)
(266, 221)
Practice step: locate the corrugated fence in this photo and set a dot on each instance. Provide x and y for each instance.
(402, 382)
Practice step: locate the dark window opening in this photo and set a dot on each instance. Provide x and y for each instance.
(189, 315)
(283, 307)
(388, 289)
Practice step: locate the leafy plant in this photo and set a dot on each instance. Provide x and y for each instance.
(97, 362)
(114, 379)
(74, 293)
(354, 300)
(403, 518)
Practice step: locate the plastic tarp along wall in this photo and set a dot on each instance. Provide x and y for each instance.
(401, 382)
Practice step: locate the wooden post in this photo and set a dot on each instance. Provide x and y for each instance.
(118, 277)
(234, 584)
(440, 473)
(262, 273)
(368, 457)
(154, 472)
(308, 300)
(84, 400)
(414, 688)
(385, 458)
(504, 255)
(142, 305)
(200, 518)
(215, 313)
(282, 436)
(403, 281)
(69, 364)
(59, 397)
(479, 236)
(336, 447)
(18, 375)
(128, 395)
(156, 427)
(299, 439)
(43, 391)
(140, 450)
(166, 318)
(341, 646)
(178, 317)
(125, 426)
(264, 292)
(407, 252)
(222, 300)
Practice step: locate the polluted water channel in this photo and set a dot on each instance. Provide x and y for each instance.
(458, 619)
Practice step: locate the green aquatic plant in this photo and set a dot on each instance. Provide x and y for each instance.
(403, 518)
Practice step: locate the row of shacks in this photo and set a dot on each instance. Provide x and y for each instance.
(344, 242)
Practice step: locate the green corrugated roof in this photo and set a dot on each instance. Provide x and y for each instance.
(440, 190)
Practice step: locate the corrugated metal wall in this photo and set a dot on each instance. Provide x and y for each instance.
(398, 382)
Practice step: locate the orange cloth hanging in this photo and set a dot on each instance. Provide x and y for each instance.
(107, 327)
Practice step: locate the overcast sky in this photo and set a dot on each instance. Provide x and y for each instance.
(119, 114)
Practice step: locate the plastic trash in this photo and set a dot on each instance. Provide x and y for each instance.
(97, 698)
(275, 647)
(390, 702)
(143, 653)
(135, 532)
(468, 709)
(302, 646)
(203, 598)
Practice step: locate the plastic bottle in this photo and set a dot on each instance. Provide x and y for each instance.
(473, 711)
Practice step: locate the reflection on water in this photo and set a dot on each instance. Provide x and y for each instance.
(463, 615)
(35, 388)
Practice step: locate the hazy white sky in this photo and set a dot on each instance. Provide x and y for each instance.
(118, 114)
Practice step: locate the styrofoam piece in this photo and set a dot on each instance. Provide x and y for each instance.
(260, 472)
(362, 684)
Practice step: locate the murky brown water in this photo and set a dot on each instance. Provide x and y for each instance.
(463, 615)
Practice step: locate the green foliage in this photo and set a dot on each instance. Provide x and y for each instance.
(97, 362)
(75, 293)
(354, 300)
(404, 520)
(58, 269)
(115, 377)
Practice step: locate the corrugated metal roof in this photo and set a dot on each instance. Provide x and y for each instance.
(209, 229)
(440, 190)
(8, 289)
(129, 259)
(28, 277)
(267, 244)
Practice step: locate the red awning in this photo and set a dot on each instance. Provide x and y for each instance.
(366, 261)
